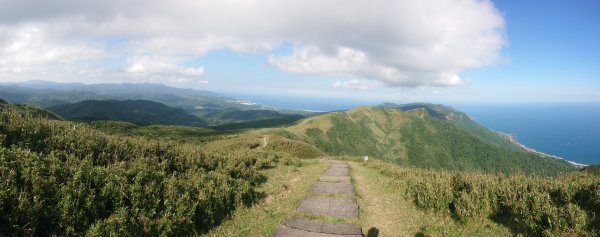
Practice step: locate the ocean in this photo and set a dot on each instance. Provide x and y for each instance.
(568, 130)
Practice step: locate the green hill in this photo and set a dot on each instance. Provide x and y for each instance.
(415, 137)
(30, 110)
(134, 111)
(218, 117)
(460, 120)
(592, 169)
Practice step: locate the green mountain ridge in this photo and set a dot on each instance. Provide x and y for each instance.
(414, 137)
(220, 117)
(460, 120)
(134, 111)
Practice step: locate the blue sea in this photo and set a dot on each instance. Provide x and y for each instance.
(568, 130)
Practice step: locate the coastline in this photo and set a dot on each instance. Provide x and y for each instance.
(513, 139)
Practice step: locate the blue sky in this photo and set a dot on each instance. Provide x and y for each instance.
(443, 51)
(553, 54)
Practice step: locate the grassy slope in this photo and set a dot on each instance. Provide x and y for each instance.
(385, 210)
(415, 138)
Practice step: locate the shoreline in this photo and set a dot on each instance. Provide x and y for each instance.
(513, 139)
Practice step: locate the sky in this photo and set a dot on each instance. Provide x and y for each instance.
(363, 50)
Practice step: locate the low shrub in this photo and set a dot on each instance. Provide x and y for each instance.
(565, 205)
(63, 178)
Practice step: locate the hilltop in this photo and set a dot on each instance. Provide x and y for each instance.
(134, 111)
(420, 135)
(30, 110)
(460, 120)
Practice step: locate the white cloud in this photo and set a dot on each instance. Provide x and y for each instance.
(400, 43)
(356, 84)
(31, 47)
(156, 68)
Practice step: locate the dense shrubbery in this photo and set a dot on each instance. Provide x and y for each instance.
(63, 178)
(566, 205)
(592, 169)
(175, 133)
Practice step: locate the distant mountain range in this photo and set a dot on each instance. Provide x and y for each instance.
(44, 94)
(209, 108)
(422, 135)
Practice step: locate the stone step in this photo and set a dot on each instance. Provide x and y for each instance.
(338, 162)
(334, 179)
(334, 206)
(336, 172)
(306, 227)
(332, 188)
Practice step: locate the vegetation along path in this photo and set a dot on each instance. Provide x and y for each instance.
(330, 208)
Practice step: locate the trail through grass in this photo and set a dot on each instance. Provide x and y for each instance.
(285, 187)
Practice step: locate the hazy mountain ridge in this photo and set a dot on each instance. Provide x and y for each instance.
(43, 93)
(211, 108)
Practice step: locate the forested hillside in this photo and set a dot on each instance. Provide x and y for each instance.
(134, 111)
(416, 138)
(460, 120)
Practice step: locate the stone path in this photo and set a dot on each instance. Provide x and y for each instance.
(331, 195)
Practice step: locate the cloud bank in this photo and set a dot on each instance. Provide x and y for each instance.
(401, 43)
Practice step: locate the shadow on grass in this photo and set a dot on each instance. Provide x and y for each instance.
(373, 232)
(503, 218)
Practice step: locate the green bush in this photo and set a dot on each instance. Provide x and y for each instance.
(63, 178)
(566, 205)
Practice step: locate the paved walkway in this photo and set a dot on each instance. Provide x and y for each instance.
(331, 195)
